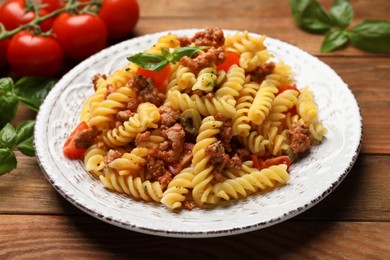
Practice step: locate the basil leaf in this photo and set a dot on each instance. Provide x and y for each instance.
(166, 53)
(7, 160)
(334, 39)
(371, 36)
(6, 85)
(33, 90)
(149, 61)
(186, 51)
(8, 105)
(27, 146)
(8, 136)
(24, 131)
(341, 12)
(310, 16)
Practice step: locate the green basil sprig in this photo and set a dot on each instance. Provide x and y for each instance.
(31, 91)
(156, 62)
(12, 139)
(369, 35)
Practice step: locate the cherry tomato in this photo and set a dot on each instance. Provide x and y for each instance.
(231, 59)
(13, 14)
(33, 55)
(80, 35)
(3, 52)
(52, 5)
(159, 78)
(70, 150)
(120, 16)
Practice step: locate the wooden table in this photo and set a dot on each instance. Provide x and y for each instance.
(351, 223)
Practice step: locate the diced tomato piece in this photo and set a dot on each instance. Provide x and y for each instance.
(284, 88)
(159, 78)
(260, 164)
(256, 161)
(70, 150)
(231, 59)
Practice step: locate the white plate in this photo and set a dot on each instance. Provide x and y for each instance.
(312, 178)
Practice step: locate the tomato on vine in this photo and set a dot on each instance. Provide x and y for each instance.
(15, 13)
(80, 35)
(52, 5)
(34, 55)
(120, 16)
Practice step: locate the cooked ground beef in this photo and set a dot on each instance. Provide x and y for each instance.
(124, 115)
(168, 116)
(209, 37)
(204, 60)
(112, 155)
(259, 74)
(86, 138)
(299, 138)
(142, 137)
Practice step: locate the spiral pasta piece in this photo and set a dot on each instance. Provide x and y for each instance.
(204, 105)
(206, 80)
(178, 188)
(147, 116)
(241, 120)
(243, 42)
(134, 187)
(255, 142)
(130, 163)
(233, 84)
(262, 103)
(282, 103)
(306, 107)
(202, 170)
(281, 75)
(94, 159)
(103, 116)
(251, 181)
(167, 42)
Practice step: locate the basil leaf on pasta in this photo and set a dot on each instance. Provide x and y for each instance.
(149, 61)
(186, 51)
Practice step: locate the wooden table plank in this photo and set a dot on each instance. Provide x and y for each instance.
(80, 237)
(249, 8)
(362, 196)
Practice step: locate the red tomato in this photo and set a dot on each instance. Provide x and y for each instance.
(52, 5)
(13, 14)
(70, 150)
(231, 59)
(33, 55)
(262, 164)
(80, 35)
(284, 88)
(3, 52)
(159, 77)
(120, 16)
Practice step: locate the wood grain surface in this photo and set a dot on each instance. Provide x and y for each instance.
(351, 223)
